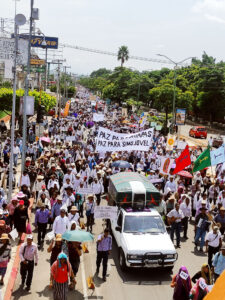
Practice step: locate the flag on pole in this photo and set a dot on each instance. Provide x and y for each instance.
(203, 161)
(183, 161)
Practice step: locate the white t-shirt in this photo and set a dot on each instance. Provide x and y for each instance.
(60, 225)
(176, 214)
(213, 239)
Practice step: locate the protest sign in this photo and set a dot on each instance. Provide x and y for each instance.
(202, 284)
(98, 117)
(84, 191)
(217, 156)
(105, 212)
(108, 140)
(143, 122)
(181, 145)
(183, 275)
(71, 138)
(166, 164)
(170, 142)
(158, 127)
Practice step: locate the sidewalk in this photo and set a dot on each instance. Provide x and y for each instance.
(11, 272)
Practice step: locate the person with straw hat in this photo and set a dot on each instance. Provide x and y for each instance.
(5, 255)
(213, 242)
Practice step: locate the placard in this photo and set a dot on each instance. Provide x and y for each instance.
(105, 212)
(181, 145)
(202, 284)
(98, 117)
(71, 138)
(108, 140)
(183, 275)
(166, 164)
(180, 116)
(84, 191)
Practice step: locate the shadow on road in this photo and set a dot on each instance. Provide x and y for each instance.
(136, 276)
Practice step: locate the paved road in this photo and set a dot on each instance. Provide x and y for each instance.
(134, 284)
(184, 132)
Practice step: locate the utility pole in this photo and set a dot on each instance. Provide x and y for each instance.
(19, 20)
(58, 106)
(26, 90)
(65, 82)
(58, 101)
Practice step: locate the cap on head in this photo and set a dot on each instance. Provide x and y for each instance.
(30, 237)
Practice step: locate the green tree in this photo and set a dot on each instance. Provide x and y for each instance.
(123, 54)
(102, 72)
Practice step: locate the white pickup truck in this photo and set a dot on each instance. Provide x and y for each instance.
(142, 239)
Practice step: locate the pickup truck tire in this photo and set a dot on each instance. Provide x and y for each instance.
(122, 261)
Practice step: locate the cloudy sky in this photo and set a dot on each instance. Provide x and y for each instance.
(176, 28)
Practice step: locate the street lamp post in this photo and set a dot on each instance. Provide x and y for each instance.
(27, 89)
(176, 64)
(19, 20)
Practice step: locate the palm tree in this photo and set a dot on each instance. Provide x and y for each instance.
(123, 54)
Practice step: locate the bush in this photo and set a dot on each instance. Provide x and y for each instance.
(6, 96)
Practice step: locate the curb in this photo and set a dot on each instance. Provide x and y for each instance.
(14, 272)
(16, 263)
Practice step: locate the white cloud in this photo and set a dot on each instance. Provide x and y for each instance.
(210, 6)
(214, 18)
(212, 10)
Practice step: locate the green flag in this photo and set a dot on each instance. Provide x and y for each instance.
(202, 161)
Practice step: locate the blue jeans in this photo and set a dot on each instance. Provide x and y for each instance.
(176, 227)
(15, 158)
(200, 234)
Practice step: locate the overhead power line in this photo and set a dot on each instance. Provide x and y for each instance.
(155, 60)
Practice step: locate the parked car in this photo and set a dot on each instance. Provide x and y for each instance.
(217, 141)
(198, 132)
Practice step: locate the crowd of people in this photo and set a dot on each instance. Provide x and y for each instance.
(65, 178)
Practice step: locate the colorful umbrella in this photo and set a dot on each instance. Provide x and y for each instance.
(121, 164)
(45, 139)
(185, 174)
(77, 236)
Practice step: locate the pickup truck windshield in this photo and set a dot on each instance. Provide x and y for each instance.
(143, 224)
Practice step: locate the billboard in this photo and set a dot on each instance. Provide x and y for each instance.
(35, 61)
(36, 41)
(180, 116)
(7, 47)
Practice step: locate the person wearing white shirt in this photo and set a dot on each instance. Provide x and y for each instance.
(98, 189)
(185, 207)
(53, 182)
(61, 223)
(221, 198)
(174, 218)
(76, 182)
(69, 198)
(69, 175)
(171, 184)
(16, 152)
(25, 179)
(74, 215)
(213, 242)
(90, 207)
